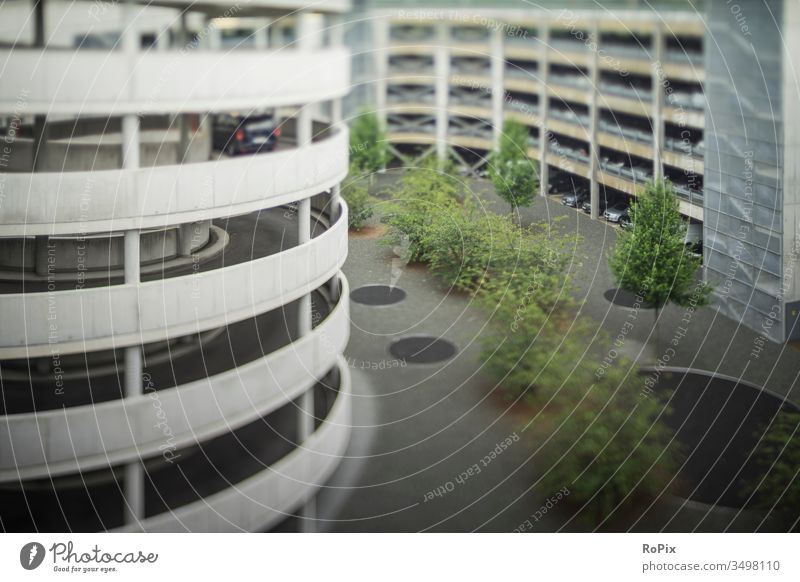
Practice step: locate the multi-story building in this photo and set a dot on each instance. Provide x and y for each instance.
(614, 99)
(751, 218)
(172, 318)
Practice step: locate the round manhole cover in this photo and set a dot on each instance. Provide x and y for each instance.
(625, 298)
(422, 349)
(377, 295)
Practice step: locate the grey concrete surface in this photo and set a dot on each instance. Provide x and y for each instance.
(417, 428)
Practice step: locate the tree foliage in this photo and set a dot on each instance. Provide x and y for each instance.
(514, 175)
(778, 456)
(359, 203)
(368, 151)
(652, 259)
(609, 447)
(425, 193)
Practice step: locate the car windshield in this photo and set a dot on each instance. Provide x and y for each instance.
(258, 124)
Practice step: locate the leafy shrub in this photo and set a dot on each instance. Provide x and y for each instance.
(467, 247)
(368, 151)
(609, 447)
(514, 175)
(778, 455)
(424, 193)
(359, 204)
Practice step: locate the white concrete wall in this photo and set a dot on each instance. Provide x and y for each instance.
(36, 445)
(131, 314)
(266, 498)
(114, 83)
(70, 202)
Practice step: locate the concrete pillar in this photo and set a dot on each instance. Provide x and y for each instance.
(41, 250)
(498, 88)
(544, 106)
(380, 31)
(260, 40)
(594, 149)
(305, 417)
(442, 66)
(130, 161)
(183, 121)
(39, 121)
(336, 31)
(657, 118)
(134, 471)
(214, 36)
(309, 30)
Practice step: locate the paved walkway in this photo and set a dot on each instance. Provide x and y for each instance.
(422, 456)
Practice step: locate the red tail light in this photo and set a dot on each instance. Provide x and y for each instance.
(239, 135)
(277, 132)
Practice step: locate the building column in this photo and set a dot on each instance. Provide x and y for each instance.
(39, 121)
(260, 40)
(498, 88)
(305, 418)
(134, 471)
(544, 107)
(380, 31)
(657, 118)
(213, 36)
(183, 118)
(442, 67)
(594, 149)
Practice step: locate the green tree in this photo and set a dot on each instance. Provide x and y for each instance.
(609, 447)
(778, 457)
(652, 259)
(359, 203)
(424, 193)
(368, 150)
(535, 340)
(514, 175)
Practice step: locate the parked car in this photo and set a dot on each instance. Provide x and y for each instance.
(244, 134)
(559, 184)
(694, 239)
(587, 206)
(575, 199)
(625, 220)
(615, 212)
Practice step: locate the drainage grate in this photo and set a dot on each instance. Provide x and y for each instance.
(625, 298)
(377, 295)
(422, 349)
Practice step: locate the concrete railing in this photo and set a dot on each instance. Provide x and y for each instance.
(84, 320)
(266, 498)
(167, 195)
(114, 83)
(87, 437)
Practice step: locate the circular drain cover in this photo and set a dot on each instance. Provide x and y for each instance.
(625, 298)
(422, 349)
(377, 295)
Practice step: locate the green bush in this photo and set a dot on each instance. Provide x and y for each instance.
(609, 447)
(778, 456)
(514, 175)
(535, 345)
(467, 246)
(368, 151)
(359, 204)
(424, 193)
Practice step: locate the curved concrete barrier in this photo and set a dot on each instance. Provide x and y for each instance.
(168, 195)
(114, 83)
(87, 437)
(85, 320)
(269, 496)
